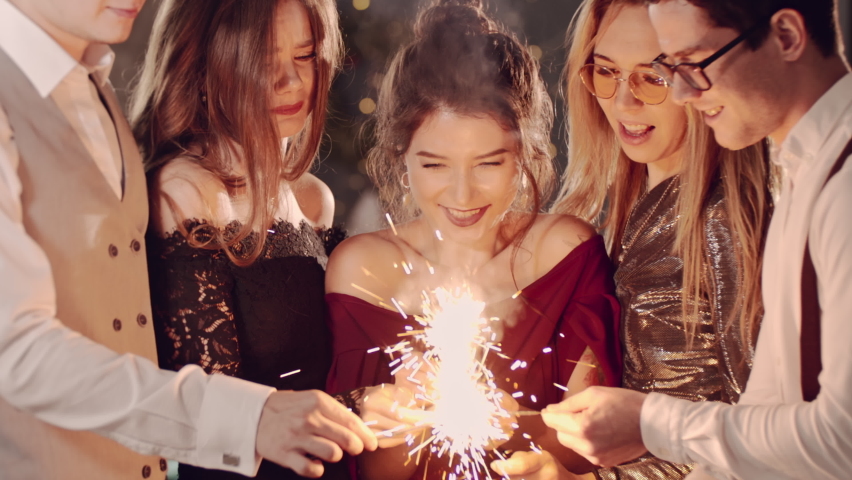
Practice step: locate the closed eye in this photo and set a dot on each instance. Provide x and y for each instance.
(309, 56)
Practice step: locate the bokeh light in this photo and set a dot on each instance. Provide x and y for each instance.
(367, 105)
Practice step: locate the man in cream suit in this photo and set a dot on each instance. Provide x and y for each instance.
(79, 394)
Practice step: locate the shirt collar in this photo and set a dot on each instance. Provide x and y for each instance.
(811, 131)
(40, 58)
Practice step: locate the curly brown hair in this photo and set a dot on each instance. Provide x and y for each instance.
(462, 61)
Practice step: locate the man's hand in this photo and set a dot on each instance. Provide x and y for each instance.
(532, 466)
(600, 423)
(298, 429)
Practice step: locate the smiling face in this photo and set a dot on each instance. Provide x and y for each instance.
(650, 134)
(295, 68)
(746, 101)
(463, 174)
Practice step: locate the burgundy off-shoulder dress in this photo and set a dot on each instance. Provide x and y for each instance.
(569, 308)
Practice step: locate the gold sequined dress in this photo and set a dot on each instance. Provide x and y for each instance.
(648, 285)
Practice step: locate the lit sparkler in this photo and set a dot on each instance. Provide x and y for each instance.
(466, 411)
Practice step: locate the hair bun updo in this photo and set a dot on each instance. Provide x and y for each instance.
(461, 61)
(452, 18)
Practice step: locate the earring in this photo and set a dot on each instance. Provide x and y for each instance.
(406, 197)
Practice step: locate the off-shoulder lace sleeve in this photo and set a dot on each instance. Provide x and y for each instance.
(332, 237)
(191, 297)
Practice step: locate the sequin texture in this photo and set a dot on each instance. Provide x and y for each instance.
(648, 285)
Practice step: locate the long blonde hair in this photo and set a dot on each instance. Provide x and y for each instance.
(601, 184)
(206, 84)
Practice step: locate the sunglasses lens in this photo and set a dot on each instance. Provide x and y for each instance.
(648, 87)
(599, 81)
(695, 77)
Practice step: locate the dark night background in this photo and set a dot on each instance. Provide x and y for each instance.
(373, 30)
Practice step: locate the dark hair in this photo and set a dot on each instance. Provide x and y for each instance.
(463, 62)
(207, 83)
(820, 18)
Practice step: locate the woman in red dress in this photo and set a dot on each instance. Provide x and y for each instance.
(462, 164)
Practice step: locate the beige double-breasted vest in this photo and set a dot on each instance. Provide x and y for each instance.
(95, 243)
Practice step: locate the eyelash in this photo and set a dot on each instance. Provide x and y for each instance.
(484, 164)
(309, 56)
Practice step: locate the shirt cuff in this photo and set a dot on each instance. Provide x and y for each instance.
(227, 430)
(661, 421)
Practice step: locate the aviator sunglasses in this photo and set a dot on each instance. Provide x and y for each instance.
(648, 87)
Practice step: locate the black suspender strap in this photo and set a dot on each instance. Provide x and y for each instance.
(809, 341)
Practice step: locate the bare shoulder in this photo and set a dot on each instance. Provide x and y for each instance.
(555, 236)
(315, 200)
(364, 261)
(183, 190)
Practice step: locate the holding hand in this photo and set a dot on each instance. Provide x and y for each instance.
(600, 423)
(391, 409)
(532, 466)
(298, 429)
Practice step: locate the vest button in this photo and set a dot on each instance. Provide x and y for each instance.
(163, 465)
(141, 319)
(135, 245)
(113, 251)
(116, 324)
(146, 471)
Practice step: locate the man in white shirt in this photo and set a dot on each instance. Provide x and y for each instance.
(73, 212)
(756, 69)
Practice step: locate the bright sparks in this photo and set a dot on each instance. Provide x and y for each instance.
(290, 373)
(390, 222)
(466, 406)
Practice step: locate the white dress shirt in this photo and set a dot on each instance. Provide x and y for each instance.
(210, 421)
(772, 433)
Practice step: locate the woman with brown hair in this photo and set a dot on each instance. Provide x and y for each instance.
(229, 113)
(461, 163)
(685, 220)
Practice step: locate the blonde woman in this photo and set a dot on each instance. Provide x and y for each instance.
(685, 222)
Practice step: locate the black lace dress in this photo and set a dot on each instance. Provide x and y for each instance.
(256, 322)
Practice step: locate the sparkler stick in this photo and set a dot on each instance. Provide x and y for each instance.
(525, 413)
